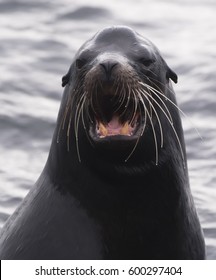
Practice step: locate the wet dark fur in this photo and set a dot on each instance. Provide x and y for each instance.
(96, 205)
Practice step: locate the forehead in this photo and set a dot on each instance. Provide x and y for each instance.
(118, 39)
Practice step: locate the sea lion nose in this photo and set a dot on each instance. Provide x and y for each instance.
(108, 67)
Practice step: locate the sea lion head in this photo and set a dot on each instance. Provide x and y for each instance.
(117, 87)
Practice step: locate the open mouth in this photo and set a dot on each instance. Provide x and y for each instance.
(115, 127)
(114, 116)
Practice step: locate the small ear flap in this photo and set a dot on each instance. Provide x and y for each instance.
(66, 78)
(172, 75)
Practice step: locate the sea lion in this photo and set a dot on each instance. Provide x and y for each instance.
(115, 185)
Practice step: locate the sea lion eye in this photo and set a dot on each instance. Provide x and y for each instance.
(80, 63)
(147, 62)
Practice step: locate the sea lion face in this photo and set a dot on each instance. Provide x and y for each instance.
(118, 79)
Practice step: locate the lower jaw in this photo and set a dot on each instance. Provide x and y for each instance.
(118, 141)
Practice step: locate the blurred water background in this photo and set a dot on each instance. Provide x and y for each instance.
(38, 40)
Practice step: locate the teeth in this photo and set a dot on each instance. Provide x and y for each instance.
(111, 130)
(125, 129)
(102, 129)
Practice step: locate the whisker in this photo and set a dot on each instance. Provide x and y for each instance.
(117, 85)
(87, 110)
(150, 107)
(83, 121)
(162, 84)
(65, 115)
(177, 107)
(165, 106)
(173, 128)
(68, 132)
(76, 122)
(156, 114)
(128, 100)
(153, 130)
(62, 123)
(153, 91)
(135, 106)
(145, 121)
(121, 99)
(138, 139)
(91, 100)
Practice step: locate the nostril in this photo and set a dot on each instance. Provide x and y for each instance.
(108, 66)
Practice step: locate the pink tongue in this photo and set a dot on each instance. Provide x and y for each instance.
(114, 123)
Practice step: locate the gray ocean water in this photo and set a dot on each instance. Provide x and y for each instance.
(38, 40)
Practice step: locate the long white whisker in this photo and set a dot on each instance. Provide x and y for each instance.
(62, 123)
(154, 91)
(121, 100)
(153, 130)
(177, 107)
(122, 97)
(76, 122)
(158, 119)
(83, 121)
(128, 100)
(137, 141)
(135, 106)
(68, 132)
(173, 128)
